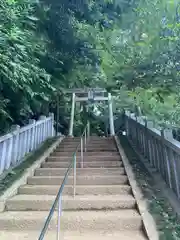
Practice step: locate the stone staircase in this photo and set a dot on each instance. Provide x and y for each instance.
(104, 207)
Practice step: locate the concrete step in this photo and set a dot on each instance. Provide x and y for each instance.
(111, 142)
(100, 144)
(103, 208)
(89, 142)
(88, 202)
(91, 148)
(85, 158)
(80, 171)
(81, 180)
(80, 190)
(71, 235)
(95, 164)
(97, 149)
(91, 139)
(118, 220)
(93, 144)
(97, 138)
(72, 150)
(108, 153)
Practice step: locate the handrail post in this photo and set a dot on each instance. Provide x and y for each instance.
(85, 140)
(111, 118)
(81, 152)
(74, 180)
(88, 130)
(72, 115)
(59, 217)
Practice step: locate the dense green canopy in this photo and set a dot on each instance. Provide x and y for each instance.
(131, 47)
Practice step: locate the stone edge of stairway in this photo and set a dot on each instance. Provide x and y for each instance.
(13, 189)
(148, 221)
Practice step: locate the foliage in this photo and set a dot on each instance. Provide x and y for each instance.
(129, 47)
(22, 81)
(147, 59)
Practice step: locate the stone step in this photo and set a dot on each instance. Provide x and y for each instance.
(103, 208)
(85, 158)
(101, 137)
(88, 202)
(80, 190)
(108, 153)
(92, 144)
(72, 150)
(80, 171)
(81, 180)
(88, 144)
(74, 235)
(97, 149)
(95, 164)
(118, 220)
(91, 139)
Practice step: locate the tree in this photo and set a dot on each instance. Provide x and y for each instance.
(125, 46)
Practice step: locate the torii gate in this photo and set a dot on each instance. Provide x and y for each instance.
(91, 94)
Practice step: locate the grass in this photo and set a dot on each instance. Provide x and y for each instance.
(18, 171)
(167, 221)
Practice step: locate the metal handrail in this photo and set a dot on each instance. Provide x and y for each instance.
(58, 199)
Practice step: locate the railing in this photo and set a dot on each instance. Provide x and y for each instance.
(72, 166)
(15, 145)
(158, 147)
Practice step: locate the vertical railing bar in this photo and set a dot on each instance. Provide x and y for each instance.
(9, 153)
(3, 156)
(146, 151)
(85, 140)
(140, 139)
(173, 155)
(153, 152)
(74, 181)
(81, 152)
(158, 155)
(168, 166)
(162, 160)
(175, 158)
(150, 152)
(88, 130)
